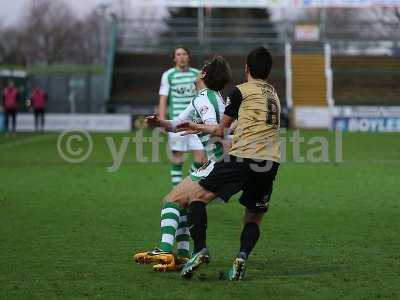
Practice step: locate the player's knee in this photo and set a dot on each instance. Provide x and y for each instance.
(201, 195)
(171, 197)
(177, 199)
(253, 217)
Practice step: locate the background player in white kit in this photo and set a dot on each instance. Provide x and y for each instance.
(176, 92)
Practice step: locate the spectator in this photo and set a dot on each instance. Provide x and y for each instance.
(38, 101)
(10, 101)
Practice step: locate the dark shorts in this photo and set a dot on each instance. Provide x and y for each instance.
(254, 177)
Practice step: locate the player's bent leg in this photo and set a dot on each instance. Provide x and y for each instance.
(182, 236)
(253, 217)
(180, 193)
(182, 239)
(170, 219)
(173, 229)
(162, 254)
(197, 219)
(248, 240)
(197, 215)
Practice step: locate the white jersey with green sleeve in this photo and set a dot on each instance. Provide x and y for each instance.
(207, 108)
(179, 87)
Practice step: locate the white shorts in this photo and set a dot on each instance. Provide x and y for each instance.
(203, 171)
(186, 143)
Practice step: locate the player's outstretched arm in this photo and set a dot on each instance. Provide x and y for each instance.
(193, 128)
(215, 130)
(155, 121)
(224, 126)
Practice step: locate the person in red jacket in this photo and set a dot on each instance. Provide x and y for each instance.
(10, 101)
(38, 101)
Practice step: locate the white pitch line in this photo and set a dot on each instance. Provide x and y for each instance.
(25, 141)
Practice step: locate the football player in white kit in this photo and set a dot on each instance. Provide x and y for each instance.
(207, 108)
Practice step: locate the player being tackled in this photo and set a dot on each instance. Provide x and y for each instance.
(206, 108)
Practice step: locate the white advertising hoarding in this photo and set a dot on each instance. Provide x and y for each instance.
(312, 117)
(88, 122)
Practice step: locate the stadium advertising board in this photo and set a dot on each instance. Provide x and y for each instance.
(367, 119)
(312, 117)
(363, 124)
(88, 122)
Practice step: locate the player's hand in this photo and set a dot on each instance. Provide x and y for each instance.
(188, 128)
(153, 120)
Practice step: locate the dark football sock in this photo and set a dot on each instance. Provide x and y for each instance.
(248, 239)
(197, 219)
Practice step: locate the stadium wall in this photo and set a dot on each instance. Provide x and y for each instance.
(87, 122)
(136, 78)
(87, 91)
(84, 84)
(366, 80)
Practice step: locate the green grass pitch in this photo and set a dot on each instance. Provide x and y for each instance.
(68, 231)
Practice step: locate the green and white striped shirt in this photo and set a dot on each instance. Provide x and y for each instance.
(180, 88)
(207, 108)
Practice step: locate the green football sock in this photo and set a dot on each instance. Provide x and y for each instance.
(183, 236)
(176, 173)
(170, 215)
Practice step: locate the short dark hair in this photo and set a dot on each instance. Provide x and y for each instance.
(259, 63)
(217, 73)
(180, 47)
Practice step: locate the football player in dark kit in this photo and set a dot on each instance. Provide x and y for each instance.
(251, 165)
